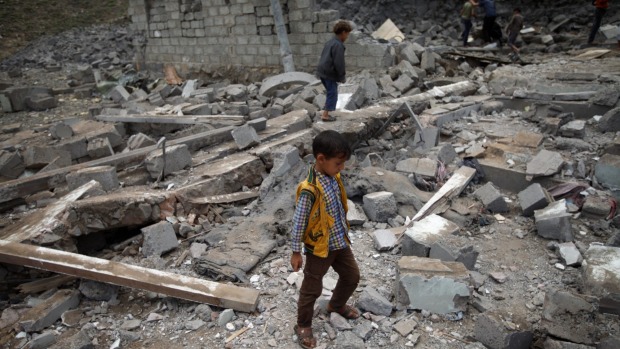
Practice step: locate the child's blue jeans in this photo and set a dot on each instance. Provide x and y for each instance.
(332, 94)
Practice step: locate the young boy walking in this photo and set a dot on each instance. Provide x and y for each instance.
(321, 229)
(331, 67)
(601, 8)
(513, 29)
(467, 13)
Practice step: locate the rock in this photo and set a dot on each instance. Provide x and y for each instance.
(154, 317)
(407, 53)
(404, 83)
(80, 340)
(372, 160)
(194, 325)
(363, 330)
(546, 163)
(105, 175)
(607, 169)
(372, 301)
(61, 131)
(339, 322)
(600, 271)
(139, 140)
(99, 148)
(498, 276)
(355, 215)
(380, 206)
(610, 122)
(553, 222)
(570, 254)
(405, 327)
(569, 316)
(178, 157)
(574, 129)
(422, 167)
(11, 165)
(432, 285)
(130, 325)
(42, 341)
(428, 61)
(197, 249)
(491, 198)
(384, 240)
(158, 239)
(245, 136)
(555, 344)
(284, 159)
(491, 331)
(72, 318)
(596, 207)
(98, 291)
(348, 340)
(204, 311)
(49, 311)
(372, 89)
(225, 317)
(533, 198)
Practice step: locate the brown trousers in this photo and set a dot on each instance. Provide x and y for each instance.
(344, 264)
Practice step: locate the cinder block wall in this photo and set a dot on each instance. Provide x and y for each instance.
(209, 34)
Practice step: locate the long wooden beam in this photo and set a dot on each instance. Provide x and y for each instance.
(102, 270)
(22, 187)
(226, 120)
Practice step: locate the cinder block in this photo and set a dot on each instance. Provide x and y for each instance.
(245, 136)
(105, 175)
(177, 158)
(534, 197)
(38, 157)
(99, 148)
(553, 222)
(119, 94)
(491, 198)
(139, 140)
(491, 331)
(380, 206)
(11, 165)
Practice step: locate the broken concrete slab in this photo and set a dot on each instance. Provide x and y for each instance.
(119, 94)
(38, 157)
(380, 206)
(533, 198)
(158, 239)
(177, 158)
(139, 140)
(574, 129)
(49, 311)
(384, 239)
(42, 340)
(553, 222)
(245, 136)
(428, 61)
(607, 169)
(569, 316)
(432, 285)
(610, 122)
(373, 301)
(601, 271)
(491, 198)
(11, 165)
(355, 215)
(105, 175)
(492, 331)
(350, 97)
(284, 159)
(405, 327)
(570, 254)
(99, 148)
(418, 239)
(596, 207)
(271, 84)
(41, 102)
(423, 167)
(545, 163)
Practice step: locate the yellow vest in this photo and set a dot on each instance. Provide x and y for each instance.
(316, 236)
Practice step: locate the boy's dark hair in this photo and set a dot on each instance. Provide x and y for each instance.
(342, 27)
(517, 10)
(332, 145)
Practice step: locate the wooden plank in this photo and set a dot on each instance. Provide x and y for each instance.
(22, 187)
(225, 120)
(226, 198)
(170, 284)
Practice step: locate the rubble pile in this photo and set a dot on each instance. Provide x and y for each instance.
(482, 199)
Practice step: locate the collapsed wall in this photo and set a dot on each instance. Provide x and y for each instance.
(210, 34)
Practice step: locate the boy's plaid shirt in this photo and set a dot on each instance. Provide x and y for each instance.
(338, 231)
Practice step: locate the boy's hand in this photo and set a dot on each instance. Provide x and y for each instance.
(296, 261)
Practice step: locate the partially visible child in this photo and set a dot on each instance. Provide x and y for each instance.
(513, 29)
(467, 13)
(321, 230)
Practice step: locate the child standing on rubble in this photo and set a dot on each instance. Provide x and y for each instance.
(331, 67)
(467, 14)
(321, 229)
(513, 29)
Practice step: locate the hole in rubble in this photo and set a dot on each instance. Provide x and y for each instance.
(97, 241)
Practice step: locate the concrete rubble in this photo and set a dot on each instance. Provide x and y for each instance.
(196, 142)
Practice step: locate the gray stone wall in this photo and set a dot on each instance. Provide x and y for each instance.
(209, 34)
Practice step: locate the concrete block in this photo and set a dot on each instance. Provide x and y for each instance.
(350, 96)
(140, 140)
(372, 160)
(38, 157)
(407, 53)
(284, 159)
(570, 254)
(553, 222)
(494, 333)
(19, 95)
(428, 62)
(11, 165)
(119, 94)
(111, 132)
(610, 122)
(607, 169)
(423, 167)
(614, 148)
(569, 316)
(596, 207)
(105, 175)
(533, 198)
(574, 129)
(99, 148)
(491, 198)
(61, 131)
(355, 215)
(380, 206)
(5, 103)
(555, 344)
(49, 311)
(245, 136)
(444, 153)
(404, 83)
(77, 147)
(418, 239)
(372, 301)
(42, 340)
(189, 88)
(98, 291)
(40, 102)
(601, 273)
(545, 163)
(384, 239)
(259, 124)
(177, 158)
(432, 285)
(158, 239)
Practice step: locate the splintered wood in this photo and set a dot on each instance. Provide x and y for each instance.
(179, 286)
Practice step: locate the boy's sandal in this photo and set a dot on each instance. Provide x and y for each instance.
(305, 338)
(329, 119)
(347, 311)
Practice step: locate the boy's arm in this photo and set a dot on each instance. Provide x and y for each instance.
(300, 223)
